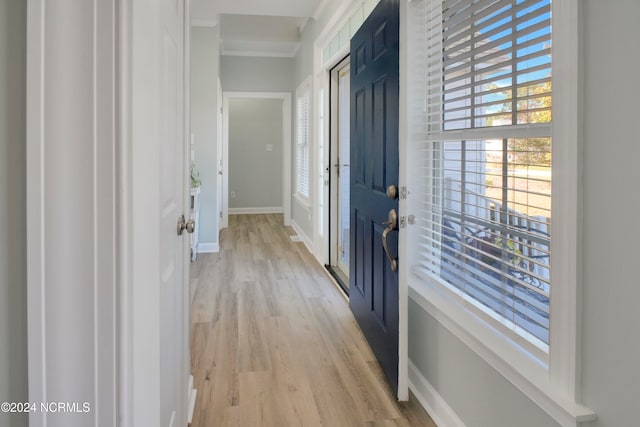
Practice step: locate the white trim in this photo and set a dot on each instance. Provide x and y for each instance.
(403, 141)
(260, 49)
(319, 9)
(76, 268)
(260, 53)
(286, 149)
(335, 23)
(208, 248)
(255, 211)
(302, 201)
(435, 405)
(566, 207)
(185, 374)
(207, 23)
(302, 26)
(36, 314)
(193, 394)
(303, 236)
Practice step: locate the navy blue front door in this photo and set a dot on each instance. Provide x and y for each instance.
(373, 283)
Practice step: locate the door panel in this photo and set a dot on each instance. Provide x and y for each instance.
(374, 145)
(172, 190)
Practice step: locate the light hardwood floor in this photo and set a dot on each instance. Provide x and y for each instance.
(273, 342)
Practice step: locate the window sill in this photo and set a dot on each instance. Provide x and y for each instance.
(527, 373)
(302, 201)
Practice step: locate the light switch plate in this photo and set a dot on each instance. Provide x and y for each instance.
(269, 147)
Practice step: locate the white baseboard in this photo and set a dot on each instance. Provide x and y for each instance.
(192, 399)
(430, 399)
(208, 248)
(303, 237)
(254, 211)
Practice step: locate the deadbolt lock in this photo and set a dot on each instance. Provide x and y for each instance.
(392, 192)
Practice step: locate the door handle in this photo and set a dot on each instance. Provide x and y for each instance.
(392, 224)
(183, 224)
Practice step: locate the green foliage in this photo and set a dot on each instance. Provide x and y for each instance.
(533, 106)
(195, 176)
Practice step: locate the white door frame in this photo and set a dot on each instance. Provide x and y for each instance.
(219, 162)
(286, 149)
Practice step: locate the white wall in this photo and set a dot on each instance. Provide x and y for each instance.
(611, 236)
(204, 115)
(610, 280)
(255, 173)
(13, 270)
(256, 74)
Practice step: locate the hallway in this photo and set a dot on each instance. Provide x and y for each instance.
(273, 342)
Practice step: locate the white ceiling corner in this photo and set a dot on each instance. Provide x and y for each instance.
(257, 27)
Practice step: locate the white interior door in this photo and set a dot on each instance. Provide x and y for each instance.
(219, 160)
(154, 350)
(173, 187)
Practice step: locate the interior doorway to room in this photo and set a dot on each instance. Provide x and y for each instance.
(339, 173)
(256, 144)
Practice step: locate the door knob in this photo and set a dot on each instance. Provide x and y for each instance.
(182, 225)
(191, 226)
(392, 224)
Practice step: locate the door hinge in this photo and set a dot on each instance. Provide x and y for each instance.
(403, 222)
(403, 192)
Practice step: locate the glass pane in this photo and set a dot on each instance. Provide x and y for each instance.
(494, 220)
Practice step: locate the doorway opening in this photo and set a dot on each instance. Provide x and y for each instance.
(339, 173)
(260, 124)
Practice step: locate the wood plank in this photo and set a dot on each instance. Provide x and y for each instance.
(273, 342)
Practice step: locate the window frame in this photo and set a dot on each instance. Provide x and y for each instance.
(304, 90)
(554, 383)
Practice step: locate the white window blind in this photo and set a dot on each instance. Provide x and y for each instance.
(483, 155)
(302, 143)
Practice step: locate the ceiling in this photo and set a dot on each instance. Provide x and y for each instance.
(256, 27)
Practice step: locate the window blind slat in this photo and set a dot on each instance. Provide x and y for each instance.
(302, 144)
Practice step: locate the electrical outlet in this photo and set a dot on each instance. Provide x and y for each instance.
(233, 194)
